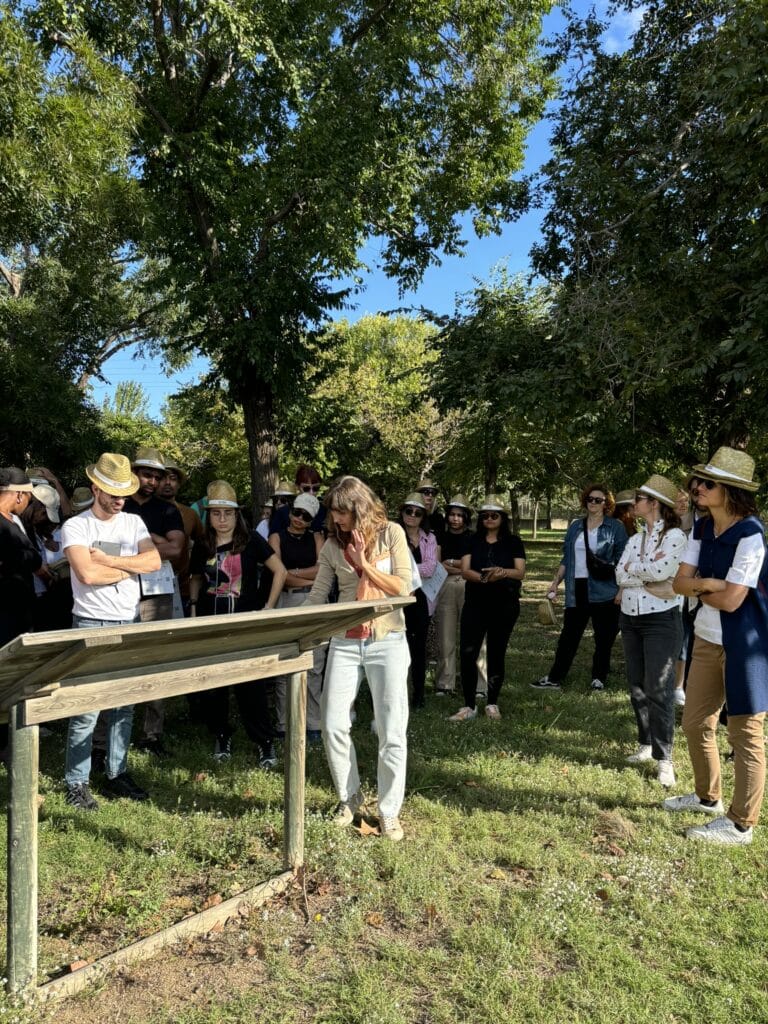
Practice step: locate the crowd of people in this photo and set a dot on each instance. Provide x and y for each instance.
(681, 575)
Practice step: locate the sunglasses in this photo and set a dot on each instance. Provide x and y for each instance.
(490, 515)
(301, 514)
(411, 510)
(429, 491)
(283, 501)
(310, 488)
(710, 485)
(592, 500)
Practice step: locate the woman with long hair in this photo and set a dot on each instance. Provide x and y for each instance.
(426, 554)
(650, 621)
(365, 552)
(493, 570)
(225, 573)
(724, 566)
(591, 549)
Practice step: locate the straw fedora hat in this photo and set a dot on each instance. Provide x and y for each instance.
(458, 501)
(150, 458)
(414, 498)
(112, 474)
(494, 503)
(625, 498)
(221, 495)
(659, 487)
(82, 498)
(427, 484)
(729, 466)
(284, 489)
(170, 464)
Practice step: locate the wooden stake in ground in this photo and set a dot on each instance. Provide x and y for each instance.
(22, 855)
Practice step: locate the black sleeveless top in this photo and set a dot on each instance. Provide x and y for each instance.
(297, 552)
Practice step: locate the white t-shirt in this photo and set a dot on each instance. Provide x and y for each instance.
(112, 602)
(48, 557)
(580, 553)
(745, 570)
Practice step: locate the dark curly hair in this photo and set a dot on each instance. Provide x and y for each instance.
(610, 502)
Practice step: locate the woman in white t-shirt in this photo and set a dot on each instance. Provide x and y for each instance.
(724, 566)
(650, 622)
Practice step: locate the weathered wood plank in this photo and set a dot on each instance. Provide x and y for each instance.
(83, 697)
(22, 856)
(62, 664)
(296, 726)
(197, 924)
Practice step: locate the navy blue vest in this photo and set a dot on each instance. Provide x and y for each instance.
(745, 631)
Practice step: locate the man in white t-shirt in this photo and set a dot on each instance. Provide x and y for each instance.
(107, 550)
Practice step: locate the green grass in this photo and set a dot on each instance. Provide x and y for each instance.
(539, 880)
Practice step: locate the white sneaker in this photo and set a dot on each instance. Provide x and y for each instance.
(463, 715)
(643, 753)
(680, 698)
(690, 802)
(492, 711)
(720, 830)
(345, 810)
(666, 774)
(390, 829)
(598, 684)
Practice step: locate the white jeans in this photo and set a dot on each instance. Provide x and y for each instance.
(385, 665)
(314, 674)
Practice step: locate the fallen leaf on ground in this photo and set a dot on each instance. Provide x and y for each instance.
(212, 901)
(497, 873)
(603, 894)
(217, 927)
(252, 951)
(76, 965)
(368, 830)
(471, 784)
(201, 776)
(375, 920)
(431, 912)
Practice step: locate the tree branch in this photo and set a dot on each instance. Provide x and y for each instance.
(14, 280)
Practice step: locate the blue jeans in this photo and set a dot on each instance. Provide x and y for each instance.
(81, 727)
(385, 664)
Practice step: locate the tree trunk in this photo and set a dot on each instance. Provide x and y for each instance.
(535, 527)
(514, 506)
(548, 511)
(259, 417)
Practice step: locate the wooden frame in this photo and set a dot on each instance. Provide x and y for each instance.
(49, 676)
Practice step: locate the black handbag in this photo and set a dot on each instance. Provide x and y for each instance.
(597, 567)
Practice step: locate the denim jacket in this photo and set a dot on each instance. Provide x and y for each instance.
(611, 538)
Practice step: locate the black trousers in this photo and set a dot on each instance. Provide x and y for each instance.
(651, 646)
(416, 628)
(494, 624)
(605, 623)
(253, 702)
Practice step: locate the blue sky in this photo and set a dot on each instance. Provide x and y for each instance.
(441, 284)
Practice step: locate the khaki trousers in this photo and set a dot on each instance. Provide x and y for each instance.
(704, 697)
(450, 601)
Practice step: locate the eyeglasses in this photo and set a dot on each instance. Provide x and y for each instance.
(411, 510)
(310, 488)
(490, 515)
(592, 500)
(428, 491)
(300, 513)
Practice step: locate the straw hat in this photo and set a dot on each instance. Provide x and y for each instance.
(150, 458)
(659, 487)
(458, 501)
(49, 497)
(284, 489)
(307, 502)
(625, 498)
(729, 466)
(82, 498)
(170, 464)
(494, 503)
(545, 613)
(426, 483)
(112, 474)
(221, 495)
(414, 498)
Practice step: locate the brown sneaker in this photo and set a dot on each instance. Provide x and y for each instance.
(391, 828)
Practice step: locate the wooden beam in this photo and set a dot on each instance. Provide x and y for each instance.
(296, 735)
(52, 671)
(22, 856)
(197, 924)
(78, 696)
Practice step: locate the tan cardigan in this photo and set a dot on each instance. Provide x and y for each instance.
(390, 543)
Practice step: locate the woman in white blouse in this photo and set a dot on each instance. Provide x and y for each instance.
(651, 625)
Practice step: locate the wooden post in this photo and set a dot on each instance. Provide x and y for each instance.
(296, 748)
(22, 855)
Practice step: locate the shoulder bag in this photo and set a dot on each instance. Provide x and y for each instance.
(597, 567)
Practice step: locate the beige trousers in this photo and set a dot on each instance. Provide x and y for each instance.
(450, 601)
(704, 697)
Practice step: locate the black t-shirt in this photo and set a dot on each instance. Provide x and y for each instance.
(502, 554)
(298, 552)
(160, 517)
(456, 545)
(231, 581)
(19, 560)
(437, 525)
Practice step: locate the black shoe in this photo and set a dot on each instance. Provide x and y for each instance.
(222, 748)
(267, 756)
(154, 745)
(81, 797)
(545, 683)
(418, 704)
(123, 786)
(314, 736)
(98, 761)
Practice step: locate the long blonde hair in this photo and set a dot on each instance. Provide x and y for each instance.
(349, 494)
